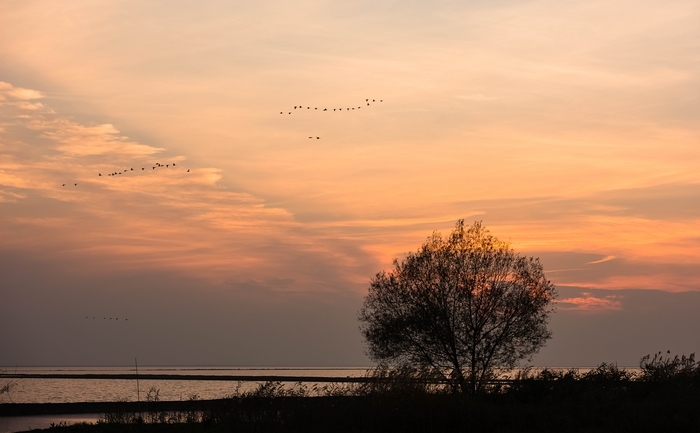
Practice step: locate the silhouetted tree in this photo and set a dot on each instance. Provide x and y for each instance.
(461, 306)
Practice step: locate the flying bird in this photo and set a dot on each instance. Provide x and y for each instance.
(64, 184)
(99, 174)
(188, 170)
(75, 184)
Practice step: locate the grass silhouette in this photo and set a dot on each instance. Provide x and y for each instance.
(664, 395)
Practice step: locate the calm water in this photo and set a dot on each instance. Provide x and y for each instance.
(84, 390)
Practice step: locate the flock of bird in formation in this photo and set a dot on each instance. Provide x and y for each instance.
(296, 107)
(119, 173)
(104, 318)
(301, 107)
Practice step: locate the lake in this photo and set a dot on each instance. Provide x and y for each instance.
(70, 390)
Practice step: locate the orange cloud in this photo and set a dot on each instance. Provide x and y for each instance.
(178, 218)
(590, 304)
(7, 91)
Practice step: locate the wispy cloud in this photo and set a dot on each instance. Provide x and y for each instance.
(8, 91)
(603, 260)
(148, 216)
(590, 304)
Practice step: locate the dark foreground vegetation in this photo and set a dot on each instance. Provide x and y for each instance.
(663, 397)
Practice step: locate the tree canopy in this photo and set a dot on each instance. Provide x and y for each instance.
(460, 306)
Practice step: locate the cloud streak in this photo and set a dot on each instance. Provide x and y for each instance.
(589, 303)
(165, 218)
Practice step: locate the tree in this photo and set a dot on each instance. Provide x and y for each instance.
(460, 306)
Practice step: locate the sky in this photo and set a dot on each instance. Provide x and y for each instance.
(569, 128)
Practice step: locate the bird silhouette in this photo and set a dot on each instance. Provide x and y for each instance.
(325, 109)
(75, 184)
(173, 164)
(64, 184)
(142, 168)
(281, 112)
(188, 170)
(99, 174)
(318, 138)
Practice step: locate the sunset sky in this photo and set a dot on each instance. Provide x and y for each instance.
(570, 128)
